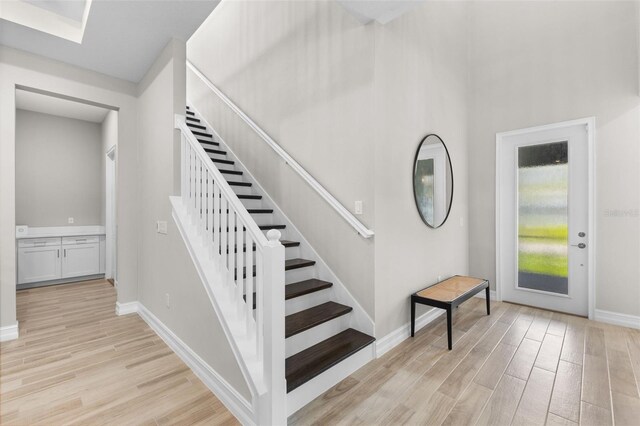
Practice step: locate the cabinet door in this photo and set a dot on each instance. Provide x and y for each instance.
(80, 259)
(38, 264)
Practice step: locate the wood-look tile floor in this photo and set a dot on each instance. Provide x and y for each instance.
(518, 366)
(76, 362)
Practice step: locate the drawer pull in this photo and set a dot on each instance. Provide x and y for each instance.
(58, 253)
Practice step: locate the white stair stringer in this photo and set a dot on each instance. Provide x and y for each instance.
(212, 278)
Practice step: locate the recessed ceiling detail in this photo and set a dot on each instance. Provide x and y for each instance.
(121, 39)
(66, 19)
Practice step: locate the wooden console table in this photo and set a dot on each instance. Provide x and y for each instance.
(448, 294)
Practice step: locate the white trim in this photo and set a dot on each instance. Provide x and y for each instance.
(590, 123)
(615, 318)
(402, 333)
(330, 199)
(10, 332)
(482, 295)
(127, 308)
(235, 403)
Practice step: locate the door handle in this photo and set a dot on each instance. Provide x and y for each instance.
(580, 246)
(58, 253)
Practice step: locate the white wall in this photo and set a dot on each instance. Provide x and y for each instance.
(421, 88)
(165, 267)
(535, 63)
(59, 171)
(19, 68)
(304, 71)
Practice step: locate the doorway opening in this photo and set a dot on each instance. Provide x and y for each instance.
(65, 189)
(545, 239)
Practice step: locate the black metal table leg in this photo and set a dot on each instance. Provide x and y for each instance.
(488, 301)
(413, 317)
(449, 336)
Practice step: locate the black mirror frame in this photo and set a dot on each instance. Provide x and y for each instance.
(415, 196)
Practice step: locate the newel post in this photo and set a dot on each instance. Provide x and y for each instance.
(272, 409)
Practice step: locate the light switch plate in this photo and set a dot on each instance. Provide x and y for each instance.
(358, 207)
(161, 227)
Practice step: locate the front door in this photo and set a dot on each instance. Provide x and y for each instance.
(543, 217)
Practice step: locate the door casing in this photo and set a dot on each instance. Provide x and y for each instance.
(590, 124)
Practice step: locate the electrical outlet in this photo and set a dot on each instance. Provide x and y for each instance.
(439, 278)
(358, 207)
(167, 300)
(71, 220)
(161, 227)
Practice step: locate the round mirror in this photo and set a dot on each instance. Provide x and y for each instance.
(433, 181)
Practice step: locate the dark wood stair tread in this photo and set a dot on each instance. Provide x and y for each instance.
(215, 151)
(217, 160)
(302, 288)
(209, 142)
(230, 172)
(285, 243)
(205, 134)
(309, 318)
(193, 119)
(196, 126)
(190, 113)
(289, 264)
(298, 289)
(313, 361)
(249, 197)
(235, 183)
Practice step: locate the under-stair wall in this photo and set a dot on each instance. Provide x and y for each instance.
(172, 297)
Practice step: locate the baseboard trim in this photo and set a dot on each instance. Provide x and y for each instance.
(393, 339)
(235, 403)
(10, 332)
(615, 318)
(482, 295)
(127, 308)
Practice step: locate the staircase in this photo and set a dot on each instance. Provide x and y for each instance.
(322, 342)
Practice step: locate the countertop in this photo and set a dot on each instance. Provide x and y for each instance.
(57, 231)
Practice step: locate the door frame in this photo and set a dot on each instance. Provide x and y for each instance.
(590, 123)
(111, 214)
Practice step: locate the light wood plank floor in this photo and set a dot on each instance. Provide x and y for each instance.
(76, 362)
(518, 366)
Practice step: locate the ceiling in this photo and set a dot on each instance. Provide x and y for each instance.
(46, 104)
(122, 38)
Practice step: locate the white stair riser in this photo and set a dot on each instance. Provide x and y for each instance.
(241, 190)
(307, 301)
(263, 218)
(315, 387)
(295, 275)
(252, 204)
(317, 334)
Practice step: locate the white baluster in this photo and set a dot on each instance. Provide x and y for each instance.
(239, 255)
(259, 304)
(216, 219)
(249, 284)
(223, 234)
(234, 274)
(210, 213)
(183, 168)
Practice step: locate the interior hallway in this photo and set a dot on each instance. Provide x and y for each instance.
(76, 362)
(519, 366)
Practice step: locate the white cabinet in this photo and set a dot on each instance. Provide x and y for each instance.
(80, 256)
(39, 260)
(48, 259)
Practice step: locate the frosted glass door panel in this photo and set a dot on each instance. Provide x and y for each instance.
(542, 217)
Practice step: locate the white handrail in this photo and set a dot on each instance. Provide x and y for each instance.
(333, 202)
